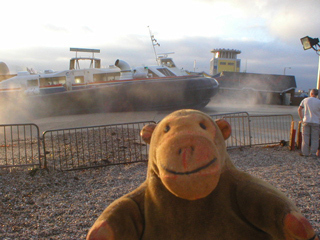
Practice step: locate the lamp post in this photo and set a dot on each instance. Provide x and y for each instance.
(284, 70)
(307, 43)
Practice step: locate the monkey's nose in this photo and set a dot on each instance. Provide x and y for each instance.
(189, 149)
(186, 154)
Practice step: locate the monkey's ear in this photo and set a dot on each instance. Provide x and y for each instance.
(224, 127)
(147, 131)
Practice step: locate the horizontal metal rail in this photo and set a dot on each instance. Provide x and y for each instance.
(270, 129)
(240, 128)
(97, 146)
(94, 146)
(19, 145)
(248, 130)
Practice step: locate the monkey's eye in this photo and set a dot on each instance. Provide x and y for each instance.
(167, 129)
(203, 126)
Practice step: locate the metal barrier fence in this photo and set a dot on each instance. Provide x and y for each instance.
(19, 145)
(94, 146)
(240, 125)
(256, 129)
(270, 129)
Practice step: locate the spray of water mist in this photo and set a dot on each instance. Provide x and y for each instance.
(253, 89)
(14, 109)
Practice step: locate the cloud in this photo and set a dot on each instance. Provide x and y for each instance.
(266, 20)
(256, 56)
(292, 20)
(266, 32)
(87, 29)
(54, 28)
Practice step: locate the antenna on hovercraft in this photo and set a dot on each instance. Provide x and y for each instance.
(154, 43)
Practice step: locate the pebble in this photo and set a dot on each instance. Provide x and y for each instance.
(64, 205)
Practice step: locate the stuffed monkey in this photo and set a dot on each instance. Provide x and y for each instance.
(193, 191)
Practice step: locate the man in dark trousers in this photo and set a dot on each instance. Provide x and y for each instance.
(309, 113)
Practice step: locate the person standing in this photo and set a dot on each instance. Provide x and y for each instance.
(309, 113)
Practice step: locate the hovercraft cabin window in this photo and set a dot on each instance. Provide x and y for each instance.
(105, 77)
(79, 79)
(49, 81)
(167, 62)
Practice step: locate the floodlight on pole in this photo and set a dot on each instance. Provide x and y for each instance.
(308, 43)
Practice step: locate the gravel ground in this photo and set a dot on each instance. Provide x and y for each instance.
(64, 205)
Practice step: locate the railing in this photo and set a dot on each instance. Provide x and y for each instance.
(97, 146)
(94, 146)
(19, 145)
(270, 129)
(256, 129)
(240, 128)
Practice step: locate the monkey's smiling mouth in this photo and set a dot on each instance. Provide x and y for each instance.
(190, 172)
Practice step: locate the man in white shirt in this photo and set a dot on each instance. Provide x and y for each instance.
(309, 113)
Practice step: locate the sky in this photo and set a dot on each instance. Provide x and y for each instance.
(39, 34)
